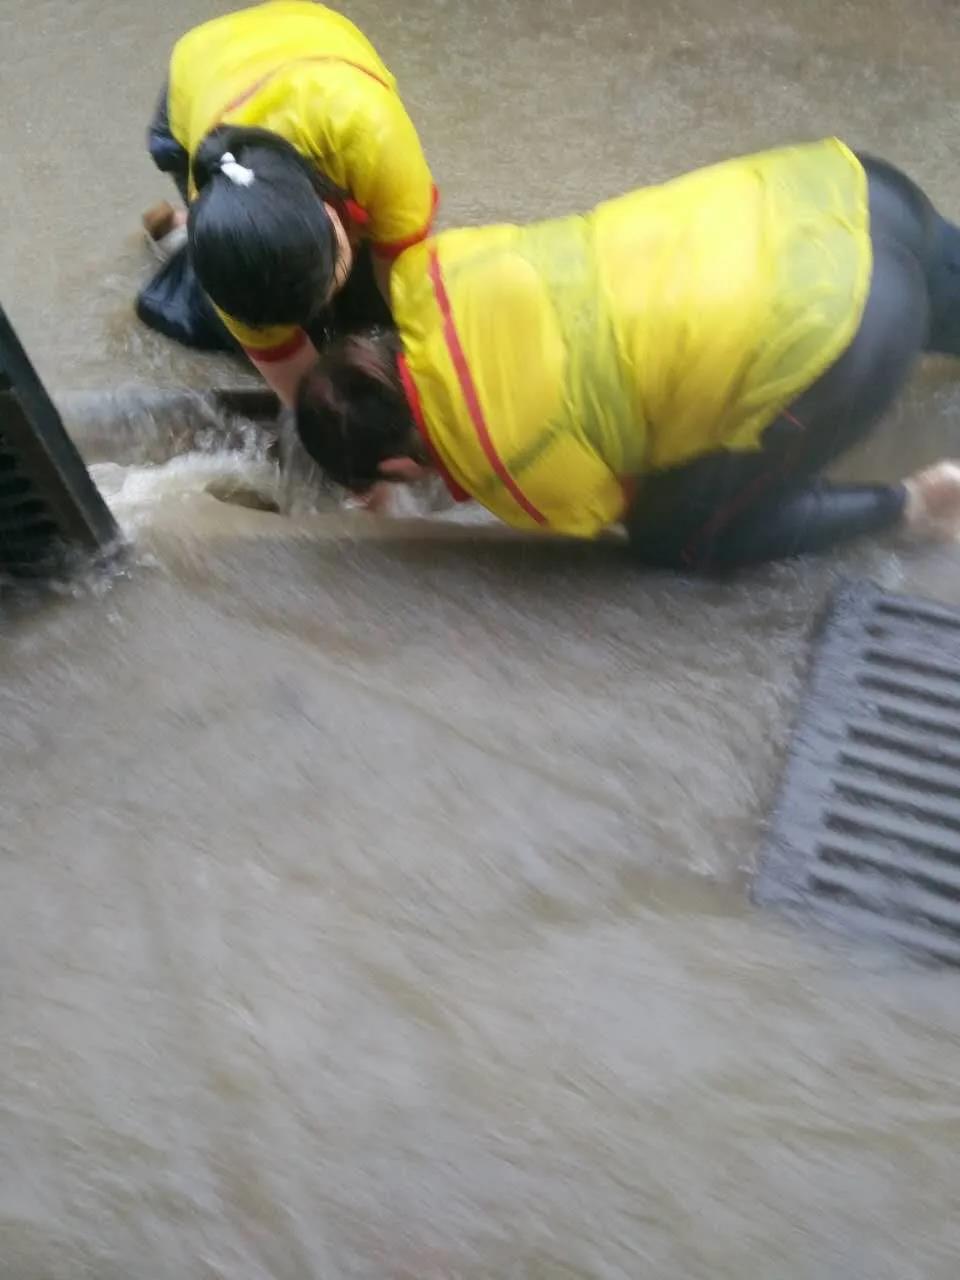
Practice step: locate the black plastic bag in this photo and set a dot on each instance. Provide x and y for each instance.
(174, 304)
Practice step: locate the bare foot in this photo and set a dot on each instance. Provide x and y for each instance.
(160, 219)
(166, 229)
(933, 501)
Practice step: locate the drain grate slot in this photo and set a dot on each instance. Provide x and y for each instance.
(915, 690)
(50, 509)
(921, 867)
(910, 664)
(897, 799)
(915, 612)
(900, 745)
(910, 833)
(866, 831)
(897, 711)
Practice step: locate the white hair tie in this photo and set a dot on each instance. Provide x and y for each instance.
(238, 174)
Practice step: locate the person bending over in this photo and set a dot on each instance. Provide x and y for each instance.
(304, 175)
(684, 360)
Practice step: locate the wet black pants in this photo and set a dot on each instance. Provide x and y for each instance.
(729, 509)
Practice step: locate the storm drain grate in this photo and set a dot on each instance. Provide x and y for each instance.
(49, 506)
(866, 832)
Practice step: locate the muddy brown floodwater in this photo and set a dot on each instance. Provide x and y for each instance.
(372, 895)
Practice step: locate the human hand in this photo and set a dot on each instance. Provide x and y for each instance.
(933, 501)
(376, 499)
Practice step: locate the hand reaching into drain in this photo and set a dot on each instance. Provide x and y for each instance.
(933, 501)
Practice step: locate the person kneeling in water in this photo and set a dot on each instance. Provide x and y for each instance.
(685, 360)
(285, 133)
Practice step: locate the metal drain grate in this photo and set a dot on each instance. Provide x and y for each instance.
(49, 506)
(866, 831)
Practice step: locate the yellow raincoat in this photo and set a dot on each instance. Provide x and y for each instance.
(309, 75)
(549, 364)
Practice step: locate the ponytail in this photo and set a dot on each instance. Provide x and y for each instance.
(262, 243)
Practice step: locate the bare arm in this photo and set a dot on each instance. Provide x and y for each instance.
(284, 376)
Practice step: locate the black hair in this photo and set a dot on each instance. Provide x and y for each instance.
(265, 253)
(352, 412)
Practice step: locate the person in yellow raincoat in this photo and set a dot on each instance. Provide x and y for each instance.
(284, 129)
(684, 360)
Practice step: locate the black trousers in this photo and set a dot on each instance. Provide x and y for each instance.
(165, 151)
(730, 509)
(173, 301)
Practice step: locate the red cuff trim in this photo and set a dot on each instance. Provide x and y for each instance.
(356, 214)
(457, 492)
(273, 355)
(393, 248)
(468, 387)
